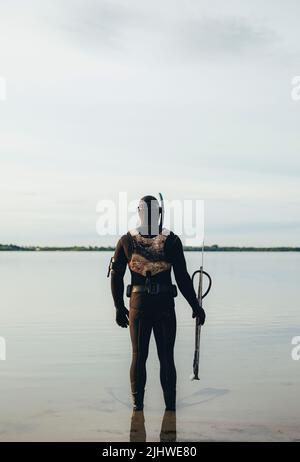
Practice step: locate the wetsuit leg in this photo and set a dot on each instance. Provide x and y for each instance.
(140, 332)
(164, 328)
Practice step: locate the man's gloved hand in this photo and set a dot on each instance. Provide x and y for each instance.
(199, 312)
(122, 317)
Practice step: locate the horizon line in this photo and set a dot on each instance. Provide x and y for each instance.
(90, 248)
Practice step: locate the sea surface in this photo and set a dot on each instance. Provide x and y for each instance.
(66, 373)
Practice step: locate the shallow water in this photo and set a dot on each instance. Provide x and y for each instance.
(66, 369)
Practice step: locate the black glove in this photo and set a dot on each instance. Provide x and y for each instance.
(122, 317)
(199, 313)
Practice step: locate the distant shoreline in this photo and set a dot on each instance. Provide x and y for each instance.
(207, 248)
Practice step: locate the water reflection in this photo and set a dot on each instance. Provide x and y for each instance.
(138, 430)
(168, 427)
(137, 427)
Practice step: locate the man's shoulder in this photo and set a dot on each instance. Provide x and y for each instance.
(125, 238)
(172, 236)
(172, 242)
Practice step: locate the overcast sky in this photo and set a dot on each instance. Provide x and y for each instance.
(185, 97)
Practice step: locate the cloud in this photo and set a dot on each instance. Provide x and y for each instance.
(96, 23)
(233, 35)
(200, 93)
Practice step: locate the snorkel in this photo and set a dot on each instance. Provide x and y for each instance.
(161, 212)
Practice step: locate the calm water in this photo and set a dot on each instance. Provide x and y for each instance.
(66, 372)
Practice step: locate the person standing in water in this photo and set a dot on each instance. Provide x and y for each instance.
(151, 251)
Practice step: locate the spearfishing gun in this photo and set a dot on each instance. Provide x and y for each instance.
(200, 296)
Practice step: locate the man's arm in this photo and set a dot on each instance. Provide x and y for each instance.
(183, 278)
(118, 268)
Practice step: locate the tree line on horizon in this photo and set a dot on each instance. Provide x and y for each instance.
(208, 248)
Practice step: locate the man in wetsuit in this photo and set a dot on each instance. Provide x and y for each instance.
(151, 251)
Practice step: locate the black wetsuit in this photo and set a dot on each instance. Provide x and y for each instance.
(153, 312)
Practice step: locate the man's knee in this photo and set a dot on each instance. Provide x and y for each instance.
(139, 355)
